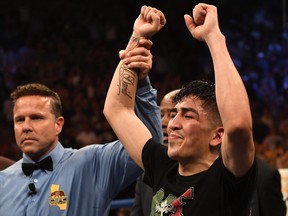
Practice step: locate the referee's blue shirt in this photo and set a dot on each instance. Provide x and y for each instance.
(83, 182)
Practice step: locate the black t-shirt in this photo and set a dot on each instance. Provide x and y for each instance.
(214, 192)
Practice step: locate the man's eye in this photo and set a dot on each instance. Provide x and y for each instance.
(172, 115)
(36, 118)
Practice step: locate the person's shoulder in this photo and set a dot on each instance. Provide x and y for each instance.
(152, 146)
(5, 162)
(263, 166)
(266, 172)
(101, 150)
(95, 146)
(14, 169)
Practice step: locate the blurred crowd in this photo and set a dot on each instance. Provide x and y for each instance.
(72, 46)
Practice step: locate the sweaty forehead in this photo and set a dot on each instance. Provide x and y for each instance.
(190, 102)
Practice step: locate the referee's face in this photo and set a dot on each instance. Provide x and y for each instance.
(35, 126)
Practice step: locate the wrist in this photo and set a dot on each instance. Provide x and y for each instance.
(216, 40)
(133, 42)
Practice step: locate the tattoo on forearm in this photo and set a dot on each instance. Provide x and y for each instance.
(134, 39)
(126, 77)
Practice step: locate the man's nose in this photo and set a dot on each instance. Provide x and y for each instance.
(27, 125)
(174, 122)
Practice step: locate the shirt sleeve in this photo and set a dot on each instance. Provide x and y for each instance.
(113, 169)
(147, 110)
(242, 188)
(156, 162)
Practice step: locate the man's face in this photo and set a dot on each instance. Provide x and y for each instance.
(166, 106)
(189, 131)
(36, 129)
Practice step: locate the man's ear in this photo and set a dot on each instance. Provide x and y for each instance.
(218, 136)
(59, 124)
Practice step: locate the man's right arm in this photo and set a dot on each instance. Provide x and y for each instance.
(120, 100)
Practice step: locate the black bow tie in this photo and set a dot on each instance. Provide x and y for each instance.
(46, 164)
